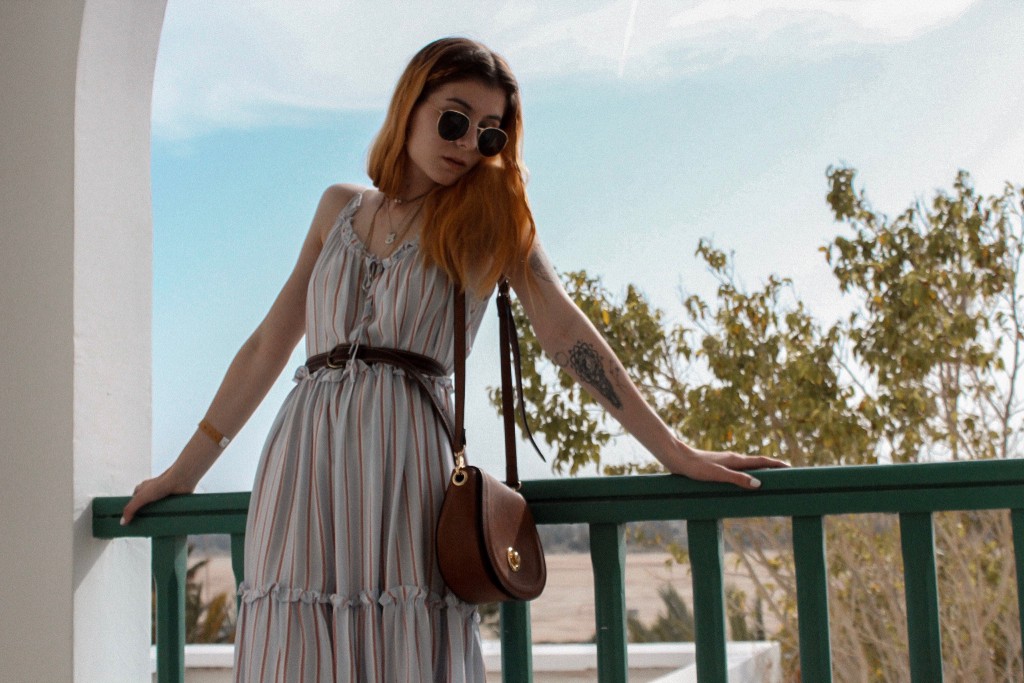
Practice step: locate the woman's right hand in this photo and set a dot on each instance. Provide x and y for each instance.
(152, 490)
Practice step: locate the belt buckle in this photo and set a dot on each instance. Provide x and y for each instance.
(343, 352)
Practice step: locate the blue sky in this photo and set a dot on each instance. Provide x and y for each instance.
(648, 126)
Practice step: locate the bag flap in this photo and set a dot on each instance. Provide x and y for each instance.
(511, 539)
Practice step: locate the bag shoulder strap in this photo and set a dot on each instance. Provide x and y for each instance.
(510, 357)
(458, 437)
(509, 351)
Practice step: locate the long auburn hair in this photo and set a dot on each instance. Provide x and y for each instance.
(481, 226)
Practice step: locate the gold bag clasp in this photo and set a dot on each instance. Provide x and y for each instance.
(514, 560)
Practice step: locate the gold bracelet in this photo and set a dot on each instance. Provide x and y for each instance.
(212, 432)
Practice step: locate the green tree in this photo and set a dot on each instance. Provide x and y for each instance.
(927, 367)
(937, 330)
(674, 624)
(745, 622)
(206, 621)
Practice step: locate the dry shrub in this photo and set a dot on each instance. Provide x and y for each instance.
(981, 639)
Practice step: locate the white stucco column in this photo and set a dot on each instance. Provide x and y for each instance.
(37, 79)
(75, 306)
(112, 327)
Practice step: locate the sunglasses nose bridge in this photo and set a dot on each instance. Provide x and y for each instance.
(468, 140)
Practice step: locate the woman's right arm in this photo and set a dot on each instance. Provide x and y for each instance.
(254, 369)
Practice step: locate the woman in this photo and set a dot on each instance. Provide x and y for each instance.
(341, 582)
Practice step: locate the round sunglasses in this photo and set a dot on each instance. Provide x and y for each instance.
(452, 125)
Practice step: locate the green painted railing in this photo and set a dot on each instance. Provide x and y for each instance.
(913, 492)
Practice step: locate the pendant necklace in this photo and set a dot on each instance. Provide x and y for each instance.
(373, 226)
(399, 200)
(403, 227)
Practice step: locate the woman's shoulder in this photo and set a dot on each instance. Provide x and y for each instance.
(333, 201)
(340, 194)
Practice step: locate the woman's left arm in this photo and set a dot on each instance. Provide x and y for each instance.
(575, 345)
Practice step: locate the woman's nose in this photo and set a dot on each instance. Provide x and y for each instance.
(468, 141)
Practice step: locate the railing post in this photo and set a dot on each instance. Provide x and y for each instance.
(1017, 521)
(608, 558)
(238, 566)
(516, 643)
(706, 562)
(924, 637)
(170, 566)
(812, 599)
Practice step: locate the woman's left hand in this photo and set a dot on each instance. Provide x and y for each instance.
(723, 466)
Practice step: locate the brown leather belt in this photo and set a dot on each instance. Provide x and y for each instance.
(340, 355)
(419, 368)
(415, 365)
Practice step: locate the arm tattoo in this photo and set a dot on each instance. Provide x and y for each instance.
(541, 267)
(588, 364)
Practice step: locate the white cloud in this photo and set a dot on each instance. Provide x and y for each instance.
(237, 63)
(879, 19)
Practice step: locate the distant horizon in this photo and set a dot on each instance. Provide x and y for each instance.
(647, 129)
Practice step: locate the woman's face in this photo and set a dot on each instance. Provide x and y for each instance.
(436, 161)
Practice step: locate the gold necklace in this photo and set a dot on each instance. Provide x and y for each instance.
(373, 227)
(399, 200)
(403, 228)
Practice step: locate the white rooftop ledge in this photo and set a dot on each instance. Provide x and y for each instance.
(749, 662)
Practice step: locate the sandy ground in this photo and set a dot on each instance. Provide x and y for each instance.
(565, 612)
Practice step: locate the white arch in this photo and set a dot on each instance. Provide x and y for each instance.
(75, 308)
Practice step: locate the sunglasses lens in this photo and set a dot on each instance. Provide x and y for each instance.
(452, 125)
(491, 141)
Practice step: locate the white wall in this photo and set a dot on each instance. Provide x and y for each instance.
(75, 302)
(37, 79)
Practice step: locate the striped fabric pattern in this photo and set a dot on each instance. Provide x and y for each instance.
(341, 581)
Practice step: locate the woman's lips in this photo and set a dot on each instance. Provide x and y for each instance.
(454, 163)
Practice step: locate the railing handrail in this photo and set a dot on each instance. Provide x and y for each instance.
(783, 493)
(806, 495)
(918, 487)
(195, 513)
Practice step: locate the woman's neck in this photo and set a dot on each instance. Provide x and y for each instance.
(415, 184)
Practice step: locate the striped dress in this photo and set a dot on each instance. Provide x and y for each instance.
(341, 581)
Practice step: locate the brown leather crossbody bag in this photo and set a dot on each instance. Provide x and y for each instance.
(488, 547)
